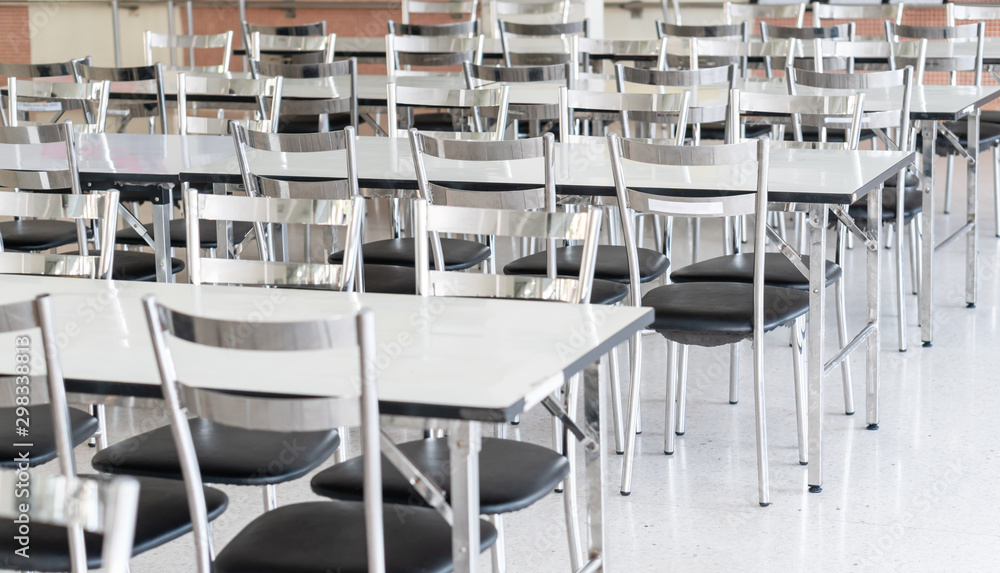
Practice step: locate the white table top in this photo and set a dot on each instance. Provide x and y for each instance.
(483, 359)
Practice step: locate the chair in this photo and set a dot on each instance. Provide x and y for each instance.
(513, 474)
(106, 507)
(455, 9)
(311, 29)
(526, 11)
(975, 13)
(151, 76)
(152, 521)
(314, 536)
(191, 42)
(868, 18)
(467, 28)
(477, 77)
(404, 52)
(34, 71)
(902, 206)
(467, 108)
(281, 49)
(737, 12)
(311, 115)
(563, 31)
(707, 314)
(838, 32)
(31, 96)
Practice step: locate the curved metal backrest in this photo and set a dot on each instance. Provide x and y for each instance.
(516, 74)
(468, 28)
(669, 108)
(153, 74)
(100, 207)
(310, 29)
(492, 101)
(53, 70)
(953, 63)
(545, 29)
(96, 504)
(298, 45)
(337, 103)
(843, 31)
(559, 9)
(831, 11)
(704, 76)
(262, 90)
(733, 179)
(430, 51)
(736, 31)
(842, 112)
(190, 42)
(452, 7)
(352, 401)
(971, 12)
(58, 98)
(733, 12)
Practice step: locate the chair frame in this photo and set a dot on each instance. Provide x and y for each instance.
(189, 42)
(563, 29)
(450, 7)
(92, 98)
(348, 67)
(301, 45)
(450, 98)
(260, 89)
(153, 73)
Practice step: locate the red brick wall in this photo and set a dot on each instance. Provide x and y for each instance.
(16, 44)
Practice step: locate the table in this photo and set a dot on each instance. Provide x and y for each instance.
(808, 180)
(435, 361)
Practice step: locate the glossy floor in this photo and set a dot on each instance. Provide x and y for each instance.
(916, 495)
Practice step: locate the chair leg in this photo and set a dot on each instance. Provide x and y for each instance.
(673, 353)
(799, 370)
(734, 373)
(763, 485)
(638, 413)
(570, 495)
(635, 364)
(100, 439)
(996, 189)
(658, 233)
(682, 383)
(914, 259)
(616, 400)
(947, 185)
(343, 452)
(557, 436)
(900, 287)
(840, 288)
(695, 239)
(270, 497)
(498, 553)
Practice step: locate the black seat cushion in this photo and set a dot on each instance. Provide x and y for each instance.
(227, 455)
(310, 123)
(778, 271)
(607, 292)
(459, 254)
(162, 516)
(178, 234)
(137, 266)
(387, 279)
(42, 434)
(512, 474)
(330, 536)
(433, 121)
(717, 131)
(989, 135)
(913, 205)
(712, 314)
(612, 264)
(38, 234)
(989, 116)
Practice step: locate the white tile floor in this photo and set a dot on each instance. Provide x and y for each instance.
(913, 496)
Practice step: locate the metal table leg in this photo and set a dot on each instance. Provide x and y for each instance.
(162, 211)
(972, 195)
(464, 443)
(596, 464)
(928, 131)
(816, 240)
(873, 286)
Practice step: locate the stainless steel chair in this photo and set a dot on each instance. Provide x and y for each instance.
(706, 314)
(193, 90)
(150, 82)
(456, 9)
(837, 32)
(282, 49)
(26, 97)
(310, 115)
(103, 506)
(35, 71)
(867, 17)
(153, 519)
(467, 28)
(478, 77)
(362, 535)
(793, 13)
(311, 29)
(404, 52)
(732, 36)
(526, 11)
(563, 31)
(466, 108)
(177, 45)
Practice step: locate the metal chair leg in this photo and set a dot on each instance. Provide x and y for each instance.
(734, 373)
(763, 484)
(635, 369)
(614, 376)
(799, 369)
(570, 495)
(900, 287)
(840, 288)
(914, 259)
(342, 453)
(996, 189)
(100, 438)
(673, 353)
(947, 185)
(270, 497)
(682, 382)
(498, 553)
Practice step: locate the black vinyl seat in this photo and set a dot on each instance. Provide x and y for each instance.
(330, 536)
(178, 234)
(607, 292)
(43, 438)
(388, 279)
(162, 516)
(778, 271)
(459, 254)
(138, 266)
(713, 314)
(913, 205)
(310, 123)
(512, 475)
(989, 135)
(612, 263)
(38, 234)
(226, 455)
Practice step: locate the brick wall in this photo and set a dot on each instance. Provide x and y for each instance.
(15, 47)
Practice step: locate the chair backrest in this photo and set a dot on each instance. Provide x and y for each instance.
(303, 49)
(466, 9)
(101, 207)
(697, 52)
(468, 28)
(465, 104)
(529, 11)
(561, 30)
(477, 77)
(28, 96)
(146, 74)
(797, 35)
(840, 112)
(266, 92)
(739, 31)
(670, 108)
(736, 12)
(54, 70)
(401, 52)
(311, 29)
(352, 400)
(734, 181)
(189, 43)
(338, 102)
(859, 13)
(892, 86)
(972, 13)
(953, 63)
